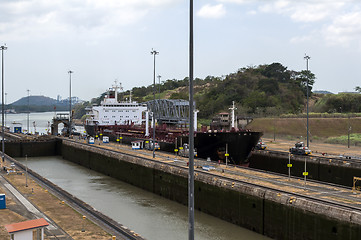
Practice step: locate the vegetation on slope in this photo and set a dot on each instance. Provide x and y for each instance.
(333, 130)
(267, 89)
(342, 102)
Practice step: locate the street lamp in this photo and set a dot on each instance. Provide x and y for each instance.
(307, 58)
(28, 111)
(159, 76)
(2, 106)
(191, 131)
(70, 115)
(154, 52)
(305, 173)
(6, 94)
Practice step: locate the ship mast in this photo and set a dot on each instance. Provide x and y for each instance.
(115, 86)
(232, 117)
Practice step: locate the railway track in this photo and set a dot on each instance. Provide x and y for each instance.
(341, 158)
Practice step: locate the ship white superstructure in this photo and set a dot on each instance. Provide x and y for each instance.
(112, 112)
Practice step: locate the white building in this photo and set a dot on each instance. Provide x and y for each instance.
(26, 230)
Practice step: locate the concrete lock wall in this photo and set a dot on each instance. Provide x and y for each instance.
(319, 168)
(264, 211)
(33, 148)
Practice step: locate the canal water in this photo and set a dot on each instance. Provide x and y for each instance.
(150, 215)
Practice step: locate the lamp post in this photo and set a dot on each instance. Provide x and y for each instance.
(307, 58)
(2, 106)
(70, 115)
(26, 170)
(305, 173)
(348, 132)
(154, 53)
(27, 122)
(6, 94)
(159, 76)
(191, 131)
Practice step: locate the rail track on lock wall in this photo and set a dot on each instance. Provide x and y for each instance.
(345, 158)
(118, 229)
(182, 163)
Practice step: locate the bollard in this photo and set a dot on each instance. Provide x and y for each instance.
(83, 228)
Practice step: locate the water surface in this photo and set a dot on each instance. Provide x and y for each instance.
(150, 215)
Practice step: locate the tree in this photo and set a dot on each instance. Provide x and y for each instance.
(277, 71)
(268, 85)
(358, 89)
(302, 77)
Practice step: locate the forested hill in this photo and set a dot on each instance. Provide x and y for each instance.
(267, 89)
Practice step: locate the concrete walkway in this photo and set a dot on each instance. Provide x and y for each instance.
(52, 231)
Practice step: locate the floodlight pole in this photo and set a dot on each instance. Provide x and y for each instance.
(2, 107)
(191, 131)
(305, 172)
(28, 127)
(5, 104)
(159, 76)
(70, 115)
(26, 170)
(154, 53)
(307, 58)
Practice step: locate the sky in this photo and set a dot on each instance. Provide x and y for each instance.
(108, 40)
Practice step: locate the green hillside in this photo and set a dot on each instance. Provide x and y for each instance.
(266, 89)
(333, 130)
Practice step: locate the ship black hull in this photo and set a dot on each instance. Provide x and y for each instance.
(238, 145)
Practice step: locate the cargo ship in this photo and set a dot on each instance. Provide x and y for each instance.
(130, 121)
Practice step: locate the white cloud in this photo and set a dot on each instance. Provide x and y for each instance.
(335, 21)
(252, 12)
(301, 39)
(209, 11)
(43, 18)
(236, 1)
(304, 11)
(344, 29)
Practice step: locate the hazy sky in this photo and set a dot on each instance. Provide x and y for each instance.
(104, 40)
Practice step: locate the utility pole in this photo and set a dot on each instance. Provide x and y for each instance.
(191, 131)
(348, 132)
(70, 113)
(159, 76)
(28, 127)
(305, 173)
(26, 170)
(2, 107)
(154, 53)
(307, 59)
(6, 95)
